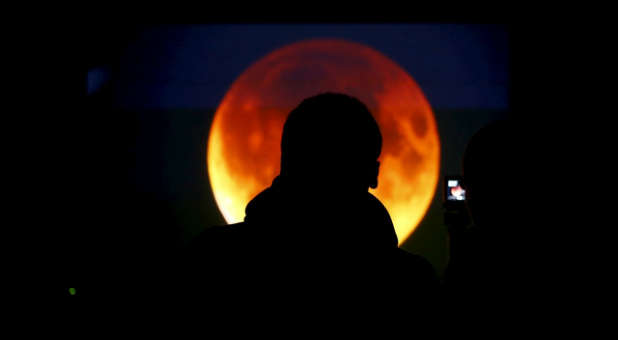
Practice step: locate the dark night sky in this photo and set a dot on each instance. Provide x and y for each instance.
(172, 78)
(171, 67)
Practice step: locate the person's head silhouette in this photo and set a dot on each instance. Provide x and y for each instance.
(331, 142)
(489, 176)
(329, 159)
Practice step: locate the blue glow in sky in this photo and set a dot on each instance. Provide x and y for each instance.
(173, 67)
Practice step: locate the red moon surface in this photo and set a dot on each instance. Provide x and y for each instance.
(245, 135)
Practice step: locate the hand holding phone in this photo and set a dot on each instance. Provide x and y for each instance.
(454, 192)
(456, 215)
(454, 189)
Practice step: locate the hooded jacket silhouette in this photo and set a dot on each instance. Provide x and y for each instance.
(316, 234)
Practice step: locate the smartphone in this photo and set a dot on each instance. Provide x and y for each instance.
(454, 190)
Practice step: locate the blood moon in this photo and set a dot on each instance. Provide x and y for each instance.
(245, 136)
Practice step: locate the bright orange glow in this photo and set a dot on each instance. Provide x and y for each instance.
(245, 136)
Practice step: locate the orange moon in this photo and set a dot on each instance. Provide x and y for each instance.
(245, 135)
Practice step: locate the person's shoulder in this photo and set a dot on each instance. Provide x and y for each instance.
(411, 258)
(216, 237)
(417, 264)
(375, 202)
(223, 230)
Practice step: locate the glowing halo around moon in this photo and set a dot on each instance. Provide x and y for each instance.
(245, 135)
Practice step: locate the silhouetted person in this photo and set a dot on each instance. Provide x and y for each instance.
(316, 236)
(483, 267)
